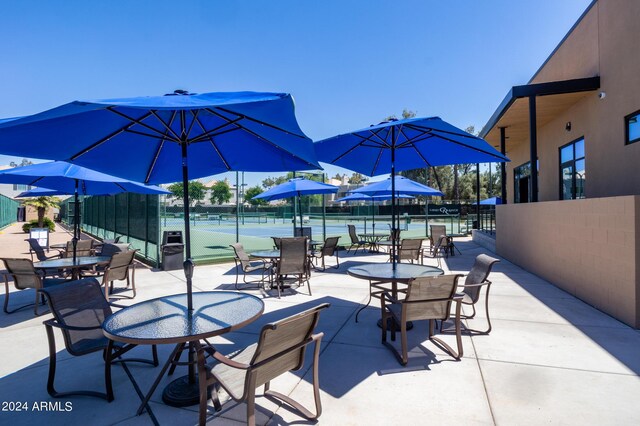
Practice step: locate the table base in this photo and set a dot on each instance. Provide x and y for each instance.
(389, 319)
(181, 393)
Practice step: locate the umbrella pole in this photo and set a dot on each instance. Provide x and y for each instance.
(188, 263)
(393, 198)
(76, 221)
(300, 210)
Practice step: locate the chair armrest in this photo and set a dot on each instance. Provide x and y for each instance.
(115, 305)
(228, 361)
(485, 282)
(317, 337)
(54, 323)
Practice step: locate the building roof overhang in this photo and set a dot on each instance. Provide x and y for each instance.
(555, 97)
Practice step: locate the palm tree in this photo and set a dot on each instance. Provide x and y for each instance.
(42, 204)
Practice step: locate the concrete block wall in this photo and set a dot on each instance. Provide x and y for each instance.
(589, 248)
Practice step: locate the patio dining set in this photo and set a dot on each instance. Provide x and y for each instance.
(183, 136)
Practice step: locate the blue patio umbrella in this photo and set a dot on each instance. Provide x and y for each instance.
(74, 180)
(402, 185)
(373, 198)
(491, 201)
(40, 192)
(296, 188)
(162, 139)
(407, 144)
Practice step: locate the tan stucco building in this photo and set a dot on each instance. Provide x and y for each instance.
(577, 222)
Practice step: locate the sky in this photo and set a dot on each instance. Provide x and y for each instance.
(347, 63)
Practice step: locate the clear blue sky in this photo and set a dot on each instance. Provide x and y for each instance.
(347, 63)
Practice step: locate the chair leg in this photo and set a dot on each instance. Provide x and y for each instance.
(202, 386)
(6, 297)
(316, 387)
(403, 340)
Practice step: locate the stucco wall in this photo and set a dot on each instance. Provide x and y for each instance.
(589, 248)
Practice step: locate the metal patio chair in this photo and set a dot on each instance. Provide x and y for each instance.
(428, 298)
(472, 287)
(244, 264)
(280, 348)
(79, 309)
(355, 240)
(25, 277)
(293, 261)
(329, 248)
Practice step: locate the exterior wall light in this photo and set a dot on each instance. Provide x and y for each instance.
(567, 126)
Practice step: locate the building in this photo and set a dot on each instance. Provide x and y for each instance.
(11, 190)
(576, 222)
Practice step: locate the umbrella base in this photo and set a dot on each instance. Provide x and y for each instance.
(181, 393)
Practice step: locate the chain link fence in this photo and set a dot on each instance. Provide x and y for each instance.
(141, 220)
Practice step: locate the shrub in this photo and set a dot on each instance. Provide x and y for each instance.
(48, 223)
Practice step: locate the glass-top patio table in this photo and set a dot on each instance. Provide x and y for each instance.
(166, 320)
(68, 263)
(383, 273)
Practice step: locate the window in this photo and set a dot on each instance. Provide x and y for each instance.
(522, 182)
(572, 170)
(20, 187)
(632, 128)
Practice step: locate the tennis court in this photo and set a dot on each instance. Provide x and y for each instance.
(211, 235)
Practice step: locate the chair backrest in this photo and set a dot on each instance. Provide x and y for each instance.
(35, 246)
(352, 234)
(110, 249)
(410, 249)
(440, 244)
(23, 272)
(119, 265)
(293, 256)
(394, 234)
(241, 255)
(436, 231)
(478, 274)
(330, 245)
(79, 303)
(276, 242)
(282, 345)
(83, 248)
(430, 297)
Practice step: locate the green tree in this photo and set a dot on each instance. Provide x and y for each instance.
(23, 163)
(42, 204)
(220, 193)
(338, 176)
(197, 191)
(357, 179)
(271, 181)
(251, 192)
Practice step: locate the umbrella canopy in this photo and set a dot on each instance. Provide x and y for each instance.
(372, 198)
(162, 139)
(365, 197)
(62, 176)
(141, 139)
(404, 145)
(409, 144)
(74, 180)
(492, 201)
(402, 185)
(40, 192)
(295, 188)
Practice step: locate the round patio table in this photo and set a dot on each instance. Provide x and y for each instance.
(166, 320)
(373, 239)
(266, 254)
(68, 263)
(382, 273)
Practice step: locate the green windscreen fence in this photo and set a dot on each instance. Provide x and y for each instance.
(8, 211)
(132, 217)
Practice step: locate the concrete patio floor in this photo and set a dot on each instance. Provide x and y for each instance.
(549, 359)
